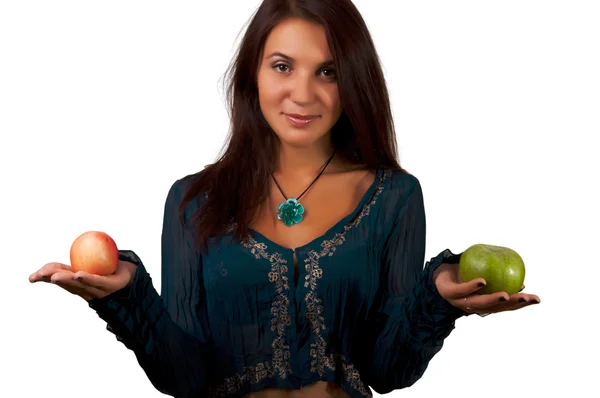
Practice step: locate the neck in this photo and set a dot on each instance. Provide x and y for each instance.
(303, 161)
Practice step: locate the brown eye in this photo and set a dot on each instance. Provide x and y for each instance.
(331, 72)
(278, 67)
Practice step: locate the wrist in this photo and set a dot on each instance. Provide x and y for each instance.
(130, 269)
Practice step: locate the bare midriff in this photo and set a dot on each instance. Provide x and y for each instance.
(319, 389)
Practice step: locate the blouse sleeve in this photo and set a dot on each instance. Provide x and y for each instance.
(167, 332)
(411, 320)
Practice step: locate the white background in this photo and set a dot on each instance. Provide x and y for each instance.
(103, 105)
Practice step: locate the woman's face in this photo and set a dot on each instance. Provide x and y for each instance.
(304, 84)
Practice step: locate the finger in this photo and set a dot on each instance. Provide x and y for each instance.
(45, 273)
(524, 298)
(515, 302)
(107, 283)
(527, 296)
(65, 280)
(58, 278)
(100, 282)
(481, 301)
(453, 290)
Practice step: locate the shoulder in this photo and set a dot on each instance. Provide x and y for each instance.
(399, 186)
(182, 184)
(400, 180)
(185, 188)
(399, 205)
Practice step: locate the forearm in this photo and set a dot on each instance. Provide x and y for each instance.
(409, 331)
(174, 360)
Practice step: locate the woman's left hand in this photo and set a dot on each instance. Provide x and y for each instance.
(464, 295)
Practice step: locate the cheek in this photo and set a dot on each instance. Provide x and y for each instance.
(332, 101)
(269, 92)
(272, 94)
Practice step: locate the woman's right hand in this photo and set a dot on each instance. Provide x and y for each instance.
(85, 285)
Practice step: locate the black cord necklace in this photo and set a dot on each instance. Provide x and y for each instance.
(291, 211)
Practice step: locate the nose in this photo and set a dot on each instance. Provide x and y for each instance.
(302, 89)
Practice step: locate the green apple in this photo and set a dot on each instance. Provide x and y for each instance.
(502, 268)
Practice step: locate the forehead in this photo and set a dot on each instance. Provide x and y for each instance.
(303, 40)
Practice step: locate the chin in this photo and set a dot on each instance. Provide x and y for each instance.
(300, 138)
(303, 136)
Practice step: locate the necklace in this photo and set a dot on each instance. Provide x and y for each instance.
(291, 211)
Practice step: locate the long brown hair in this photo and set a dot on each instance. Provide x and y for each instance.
(237, 184)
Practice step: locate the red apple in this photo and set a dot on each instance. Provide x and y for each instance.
(94, 252)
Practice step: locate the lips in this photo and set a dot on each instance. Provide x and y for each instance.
(302, 117)
(302, 121)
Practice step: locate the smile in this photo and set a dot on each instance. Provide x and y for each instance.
(296, 122)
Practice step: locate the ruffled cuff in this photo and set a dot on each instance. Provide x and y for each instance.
(446, 312)
(408, 331)
(132, 312)
(430, 316)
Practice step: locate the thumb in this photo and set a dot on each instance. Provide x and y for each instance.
(465, 288)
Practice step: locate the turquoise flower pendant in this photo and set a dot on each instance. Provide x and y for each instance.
(290, 212)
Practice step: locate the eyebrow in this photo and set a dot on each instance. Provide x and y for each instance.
(291, 59)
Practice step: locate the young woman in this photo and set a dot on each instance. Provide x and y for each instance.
(293, 266)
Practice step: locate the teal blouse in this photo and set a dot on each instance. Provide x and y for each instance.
(363, 313)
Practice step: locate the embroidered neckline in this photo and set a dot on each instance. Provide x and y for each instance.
(340, 225)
